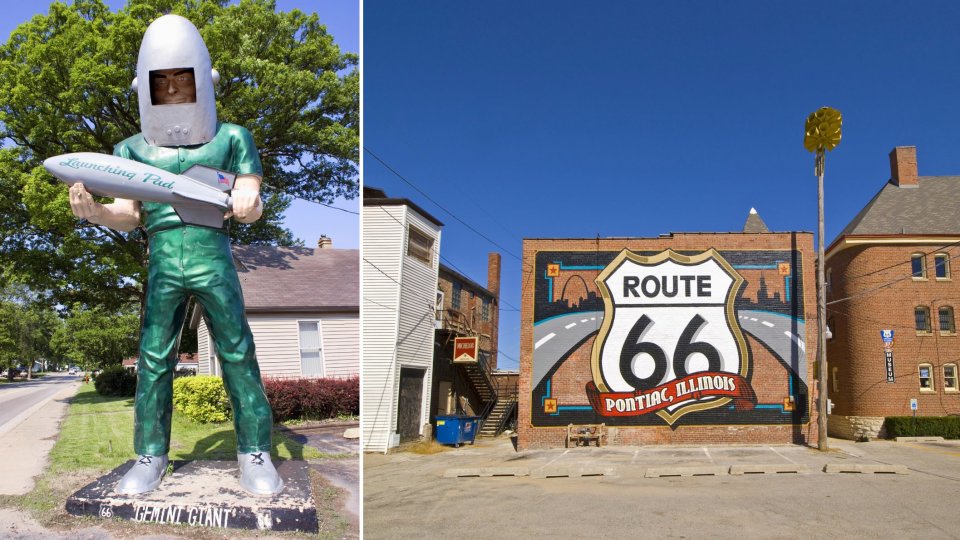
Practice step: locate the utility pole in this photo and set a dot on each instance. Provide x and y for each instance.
(821, 134)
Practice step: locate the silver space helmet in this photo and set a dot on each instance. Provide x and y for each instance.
(174, 43)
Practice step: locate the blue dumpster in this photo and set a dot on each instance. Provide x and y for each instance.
(457, 428)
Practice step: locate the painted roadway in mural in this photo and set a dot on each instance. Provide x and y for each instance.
(555, 338)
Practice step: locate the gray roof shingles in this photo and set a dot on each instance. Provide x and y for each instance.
(930, 208)
(297, 279)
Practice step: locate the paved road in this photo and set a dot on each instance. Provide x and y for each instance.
(408, 496)
(553, 338)
(19, 397)
(30, 414)
(780, 333)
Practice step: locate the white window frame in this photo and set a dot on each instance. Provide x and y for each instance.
(933, 386)
(923, 266)
(956, 386)
(946, 259)
(953, 321)
(212, 356)
(929, 330)
(426, 258)
(320, 350)
(438, 311)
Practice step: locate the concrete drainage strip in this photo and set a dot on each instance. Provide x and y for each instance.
(673, 472)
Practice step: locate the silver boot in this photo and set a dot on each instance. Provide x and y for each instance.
(258, 475)
(144, 476)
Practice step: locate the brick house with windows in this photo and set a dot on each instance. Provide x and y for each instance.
(890, 269)
(303, 307)
(467, 309)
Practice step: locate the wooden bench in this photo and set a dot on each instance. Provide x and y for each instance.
(584, 433)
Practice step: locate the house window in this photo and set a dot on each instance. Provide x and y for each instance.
(950, 378)
(485, 310)
(455, 299)
(212, 357)
(918, 266)
(947, 326)
(311, 350)
(438, 311)
(926, 380)
(941, 264)
(835, 381)
(419, 245)
(921, 315)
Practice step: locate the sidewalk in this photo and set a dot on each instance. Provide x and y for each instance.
(27, 441)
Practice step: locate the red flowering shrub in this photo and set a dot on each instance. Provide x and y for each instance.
(313, 399)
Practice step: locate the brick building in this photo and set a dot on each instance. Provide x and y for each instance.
(890, 269)
(684, 338)
(467, 309)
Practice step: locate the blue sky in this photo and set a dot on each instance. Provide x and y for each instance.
(307, 220)
(563, 119)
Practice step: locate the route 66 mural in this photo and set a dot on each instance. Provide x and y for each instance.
(669, 338)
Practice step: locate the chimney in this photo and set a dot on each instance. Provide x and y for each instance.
(903, 166)
(325, 242)
(493, 274)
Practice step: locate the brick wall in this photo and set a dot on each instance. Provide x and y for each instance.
(872, 289)
(768, 375)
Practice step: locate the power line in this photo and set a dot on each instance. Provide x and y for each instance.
(500, 300)
(451, 214)
(877, 288)
(310, 200)
(947, 246)
(391, 278)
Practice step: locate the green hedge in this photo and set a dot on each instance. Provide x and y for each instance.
(201, 398)
(947, 427)
(116, 381)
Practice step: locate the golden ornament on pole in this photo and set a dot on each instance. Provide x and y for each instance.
(821, 134)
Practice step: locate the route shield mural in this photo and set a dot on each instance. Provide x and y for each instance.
(669, 338)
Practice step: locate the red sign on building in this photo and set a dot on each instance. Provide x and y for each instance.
(465, 349)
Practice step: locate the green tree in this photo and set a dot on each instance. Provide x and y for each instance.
(26, 330)
(97, 337)
(65, 87)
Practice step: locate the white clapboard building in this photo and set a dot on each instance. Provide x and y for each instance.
(401, 256)
(303, 308)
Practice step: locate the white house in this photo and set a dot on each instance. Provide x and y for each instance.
(401, 247)
(303, 308)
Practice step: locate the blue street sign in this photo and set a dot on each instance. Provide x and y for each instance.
(887, 336)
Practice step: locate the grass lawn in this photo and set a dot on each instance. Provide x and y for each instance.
(97, 435)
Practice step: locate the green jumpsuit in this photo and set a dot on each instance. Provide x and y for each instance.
(188, 260)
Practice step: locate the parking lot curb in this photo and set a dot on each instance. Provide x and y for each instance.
(919, 439)
(571, 472)
(779, 468)
(863, 468)
(486, 472)
(702, 470)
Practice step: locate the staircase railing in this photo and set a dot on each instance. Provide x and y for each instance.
(494, 385)
(505, 417)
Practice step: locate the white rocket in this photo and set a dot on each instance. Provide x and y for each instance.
(199, 195)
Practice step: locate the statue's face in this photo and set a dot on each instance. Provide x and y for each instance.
(172, 86)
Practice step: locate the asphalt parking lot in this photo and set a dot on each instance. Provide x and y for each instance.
(491, 491)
